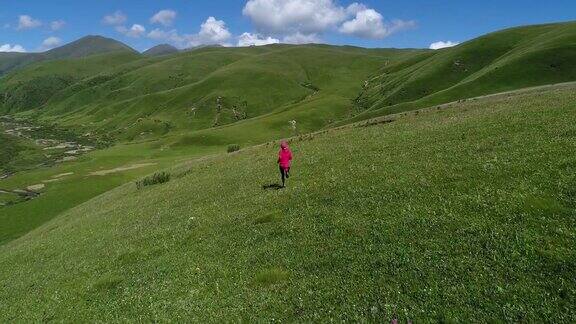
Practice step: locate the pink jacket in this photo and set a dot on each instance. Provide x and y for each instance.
(284, 156)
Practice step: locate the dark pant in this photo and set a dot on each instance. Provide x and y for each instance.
(285, 174)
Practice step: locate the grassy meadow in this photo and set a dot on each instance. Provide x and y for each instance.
(465, 213)
(502, 61)
(431, 186)
(160, 111)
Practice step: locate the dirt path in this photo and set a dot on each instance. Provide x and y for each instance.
(120, 169)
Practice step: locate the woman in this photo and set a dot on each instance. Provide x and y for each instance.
(284, 159)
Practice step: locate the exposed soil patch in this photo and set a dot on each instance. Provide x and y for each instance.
(121, 169)
(36, 187)
(61, 175)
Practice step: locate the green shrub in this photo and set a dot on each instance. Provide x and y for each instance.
(156, 178)
(233, 148)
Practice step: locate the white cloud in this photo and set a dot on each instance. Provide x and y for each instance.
(10, 48)
(135, 31)
(115, 19)
(248, 39)
(442, 44)
(299, 38)
(164, 17)
(282, 17)
(27, 22)
(304, 21)
(368, 23)
(50, 43)
(354, 8)
(212, 32)
(57, 25)
(170, 36)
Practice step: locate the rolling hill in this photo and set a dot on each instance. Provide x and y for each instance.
(182, 90)
(433, 186)
(396, 226)
(159, 50)
(163, 109)
(502, 61)
(86, 46)
(192, 91)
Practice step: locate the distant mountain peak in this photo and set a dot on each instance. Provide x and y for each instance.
(86, 46)
(162, 49)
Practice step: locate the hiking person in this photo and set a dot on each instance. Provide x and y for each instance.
(284, 159)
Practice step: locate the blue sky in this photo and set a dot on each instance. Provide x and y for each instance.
(36, 25)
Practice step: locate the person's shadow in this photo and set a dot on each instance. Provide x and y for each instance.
(272, 186)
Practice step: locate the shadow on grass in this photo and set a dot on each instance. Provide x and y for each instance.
(272, 186)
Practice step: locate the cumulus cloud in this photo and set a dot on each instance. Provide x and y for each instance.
(50, 43)
(10, 48)
(27, 22)
(368, 23)
(294, 16)
(302, 21)
(164, 17)
(115, 19)
(135, 31)
(170, 36)
(57, 25)
(248, 39)
(212, 32)
(354, 8)
(442, 44)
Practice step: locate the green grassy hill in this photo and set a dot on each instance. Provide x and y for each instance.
(30, 89)
(86, 46)
(179, 117)
(13, 61)
(180, 92)
(502, 61)
(164, 109)
(159, 50)
(150, 97)
(465, 213)
(458, 212)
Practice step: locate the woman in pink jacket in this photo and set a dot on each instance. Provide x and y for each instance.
(284, 159)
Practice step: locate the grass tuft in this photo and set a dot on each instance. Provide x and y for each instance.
(233, 148)
(156, 178)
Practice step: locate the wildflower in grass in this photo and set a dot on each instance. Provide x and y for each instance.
(292, 124)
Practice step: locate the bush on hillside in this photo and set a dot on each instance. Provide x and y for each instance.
(156, 178)
(233, 148)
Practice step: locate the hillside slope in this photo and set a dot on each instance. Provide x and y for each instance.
(460, 214)
(502, 61)
(159, 50)
(31, 88)
(194, 90)
(151, 97)
(86, 46)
